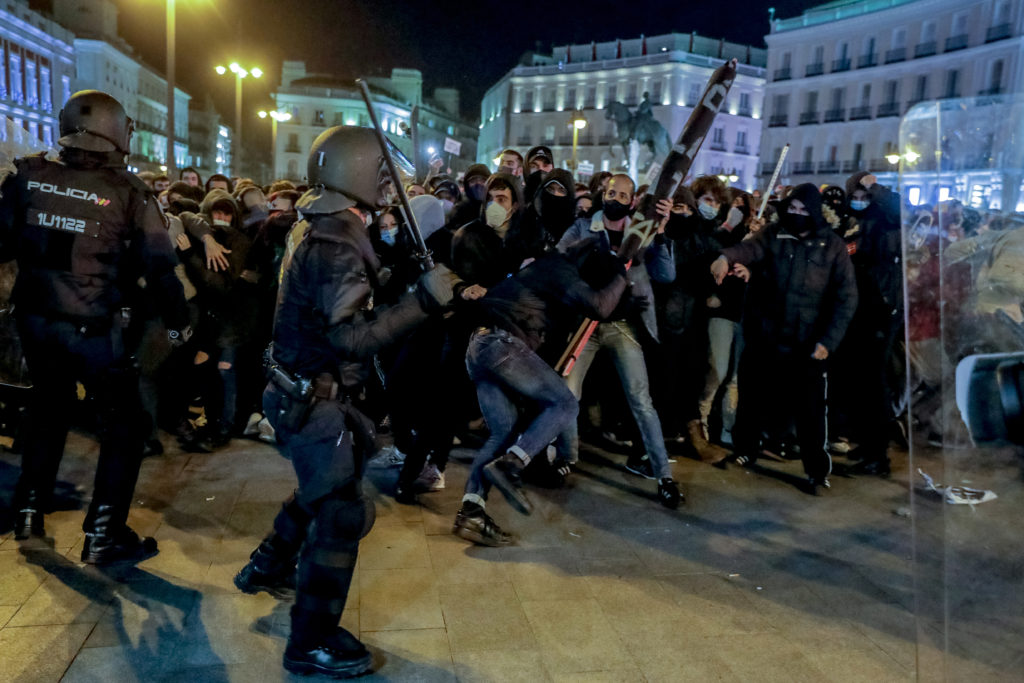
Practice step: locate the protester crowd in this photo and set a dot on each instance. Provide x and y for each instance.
(734, 334)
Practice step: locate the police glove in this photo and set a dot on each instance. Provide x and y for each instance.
(435, 288)
(179, 337)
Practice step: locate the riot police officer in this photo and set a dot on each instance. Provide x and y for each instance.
(78, 227)
(324, 340)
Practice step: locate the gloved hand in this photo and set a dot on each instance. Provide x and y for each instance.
(435, 288)
(179, 337)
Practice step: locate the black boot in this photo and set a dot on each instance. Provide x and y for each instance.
(29, 521)
(108, 539)
(475, 525)
(271, 568)
(317, 645)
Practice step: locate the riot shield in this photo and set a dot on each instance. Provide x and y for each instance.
(960, 180)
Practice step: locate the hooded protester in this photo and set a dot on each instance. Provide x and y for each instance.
(864, 361)
(795, 317)
(552, 210)
(474, 183)
(446, 190)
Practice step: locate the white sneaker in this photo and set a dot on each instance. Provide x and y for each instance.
(430, 479)
(266, 431)
(252, 427)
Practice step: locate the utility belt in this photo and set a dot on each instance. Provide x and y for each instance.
(304, 389)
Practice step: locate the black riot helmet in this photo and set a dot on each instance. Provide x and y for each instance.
(348, 160)
(96, 122)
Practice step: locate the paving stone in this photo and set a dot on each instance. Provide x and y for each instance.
(485, 616)
(574, 636)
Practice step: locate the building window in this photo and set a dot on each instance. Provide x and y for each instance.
(921, 89)
(65, 83)
(959, 24)
(591, 99)
(928, 30)
(953, 83)
(3, 73)
(549, 134)
(865, 95)
(31, 84)
(45, 88)
(527, 100)
(612, 94)
(892, 91)
(741, 139)
(16, 93)
(549, 99)
(570, 98)
(718, 136)
(899, 38)
(631, 97)
(1002, 15)
(995, 77)
(656, 95)
(318, 117)
(694, 95)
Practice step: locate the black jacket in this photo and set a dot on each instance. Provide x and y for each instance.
(322, 324)
(805, 292)
(78, 230)
(878, 258)
(481, 257)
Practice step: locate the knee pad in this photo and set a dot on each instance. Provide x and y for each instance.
(339, 525)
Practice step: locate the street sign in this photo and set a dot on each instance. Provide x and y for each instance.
(585, 167)
(452, 146)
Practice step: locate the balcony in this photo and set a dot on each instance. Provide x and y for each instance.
(832, 166)
(294, 149)
(994, 90)
(803, 167)
(808, 118)
(718, 146)
(888, 109)
(998, 33)
(783, 74)
(860, 113)
(816, 69)
(745, 111)
(854, 165)
(915, 100)
(867, 61)
(925, 49)
(898, 54)
(956, 42)
(741, 149)
(840, 65)
(833, 115)
(778, 121)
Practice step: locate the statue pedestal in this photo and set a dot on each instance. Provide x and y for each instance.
(633, 160)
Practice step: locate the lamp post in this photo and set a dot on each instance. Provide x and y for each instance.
(578, 122)
(170, 88)
(275, 117)
(240, 73)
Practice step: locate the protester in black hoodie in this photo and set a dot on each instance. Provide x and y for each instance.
(797, 315)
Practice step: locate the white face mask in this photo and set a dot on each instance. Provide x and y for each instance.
(221, 222)
(496, 215)
(706, 210)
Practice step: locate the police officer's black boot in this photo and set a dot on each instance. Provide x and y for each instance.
(108, 539)
(271, 568)
(29, 520)
(317, 645)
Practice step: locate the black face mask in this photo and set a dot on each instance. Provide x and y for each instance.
(558, 212)
(797, 224)
(477, 192)
(615, 210)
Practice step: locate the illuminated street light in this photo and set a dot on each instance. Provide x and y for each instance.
(578, 122)
(276, 117)
(430, 150)
(893, 158)
(262, 114)
(240, 73)
(911, 156)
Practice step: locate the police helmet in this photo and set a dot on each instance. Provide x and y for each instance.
(348, 160)
(96, 122)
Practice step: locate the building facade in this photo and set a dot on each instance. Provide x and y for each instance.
(209, 141)
(106, 62)
(316, 102)
(532, 104)
(842, 75)
(37, 67)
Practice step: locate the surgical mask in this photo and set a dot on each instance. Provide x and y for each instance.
(495, 215)
(859, 204)
(221, 222)
(388, 235)
(706, 210)
(615, 210)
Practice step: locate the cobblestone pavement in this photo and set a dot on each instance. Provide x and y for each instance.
(750, 580)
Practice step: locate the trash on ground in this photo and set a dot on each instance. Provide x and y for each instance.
(958, 495)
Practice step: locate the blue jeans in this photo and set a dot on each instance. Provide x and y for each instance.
(503, 367)
(724, 349)
(620, 339)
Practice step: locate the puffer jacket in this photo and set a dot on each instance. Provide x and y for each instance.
(805, 292)
(322, 324)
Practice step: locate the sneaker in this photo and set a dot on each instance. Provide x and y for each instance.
(641, 466)
(816, 486)
(430, 479)
(252, 425)
(507, 474)
(476, 526)
(840, 447)
(266, 431)
(389, 456)
(669, 494)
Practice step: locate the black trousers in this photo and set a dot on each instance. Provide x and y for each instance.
(58, 353)
(778, 386)
(328, 514)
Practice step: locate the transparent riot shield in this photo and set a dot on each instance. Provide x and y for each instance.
(960, 180)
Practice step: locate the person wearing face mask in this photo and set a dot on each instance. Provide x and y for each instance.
(863, 361)
(697, 233)
(489, 249)
(447, 190)
(228, 312)
(622, 334)
(794, 318)
(474, 183)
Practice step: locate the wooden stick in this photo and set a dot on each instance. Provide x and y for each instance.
(771, 183)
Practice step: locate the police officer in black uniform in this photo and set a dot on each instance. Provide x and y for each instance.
(324, 341)
(78, 227)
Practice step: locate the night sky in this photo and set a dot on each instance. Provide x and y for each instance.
(468, 46)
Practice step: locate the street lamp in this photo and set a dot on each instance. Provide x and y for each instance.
(893, 158)
(240, 73)
(170, 87)
(578, 122)
(275, 118)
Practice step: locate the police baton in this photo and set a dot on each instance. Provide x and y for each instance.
(422, 253)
